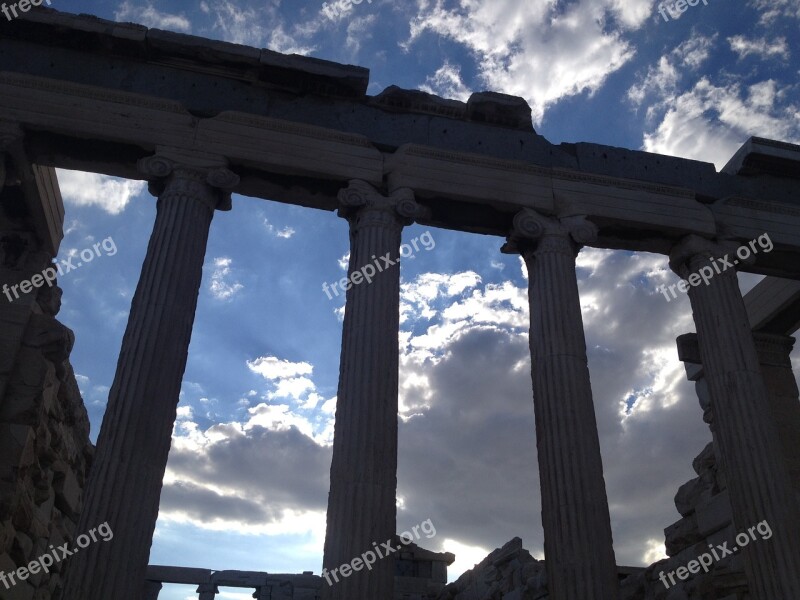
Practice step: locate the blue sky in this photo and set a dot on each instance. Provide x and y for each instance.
(246, 486)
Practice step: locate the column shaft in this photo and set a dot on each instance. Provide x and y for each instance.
(125, 481)
(756, 472)
(578, 543)
(776, 367)
(362, 500)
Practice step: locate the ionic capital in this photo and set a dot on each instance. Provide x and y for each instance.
(693, 252)
(535, 232)
(165, 174)
(363, 205)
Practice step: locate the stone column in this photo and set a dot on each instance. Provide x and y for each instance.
(152, 589)
(125, 480)
(578, 544)
(784, 400)
(361, 503)
(207, 591)
(757, 475)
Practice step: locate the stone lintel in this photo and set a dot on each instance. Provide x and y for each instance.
(773, 306)
(759, 156)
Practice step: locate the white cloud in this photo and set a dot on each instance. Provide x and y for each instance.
(271, 367)
(220, 286)
(662, 80)
(282, 232)
(358, 31)
(541, 51)
(241, 25)
(151, 17)
(771, 10)
(466, 556)
(288, 380)
(91, 189)
(761, 47)
(447, 83)
(710, 122)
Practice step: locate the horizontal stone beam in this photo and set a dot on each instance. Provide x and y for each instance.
(773, 306)
(296, 129)
(184, 575)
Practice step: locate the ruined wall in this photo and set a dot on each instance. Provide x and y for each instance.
(706, 518)
(508, 573)
(45, 450)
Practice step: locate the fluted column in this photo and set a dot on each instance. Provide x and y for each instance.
(577, 531)
(756, 472)
(361, 503)
(776, 366)
(125, 480)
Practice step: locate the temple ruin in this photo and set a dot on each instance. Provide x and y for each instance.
(201, 119)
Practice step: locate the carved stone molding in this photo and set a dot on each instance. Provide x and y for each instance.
(774, 350)
(52, 86)
(363, 205)
(533, 231)
(208, 183)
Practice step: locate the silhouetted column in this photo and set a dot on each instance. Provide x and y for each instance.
(757, 474)
(578, 544)
(361, 503)
(776, 366)
(125, 480)
(207, 591)
(152, 589)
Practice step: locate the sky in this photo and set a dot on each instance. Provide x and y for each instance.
(247, 480)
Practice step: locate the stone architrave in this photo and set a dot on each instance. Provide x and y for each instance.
(757, 475)
(362, 499)
(579, 551)
(125, 481)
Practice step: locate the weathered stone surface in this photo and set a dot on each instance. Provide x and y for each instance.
(705, 461)
(500, 109)
(396, 98)
(681, 534)
(44, 434)
(131, 451)
(575, 516)
(692, 492)
(362, 500)
(508, 572)
(714, 514)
